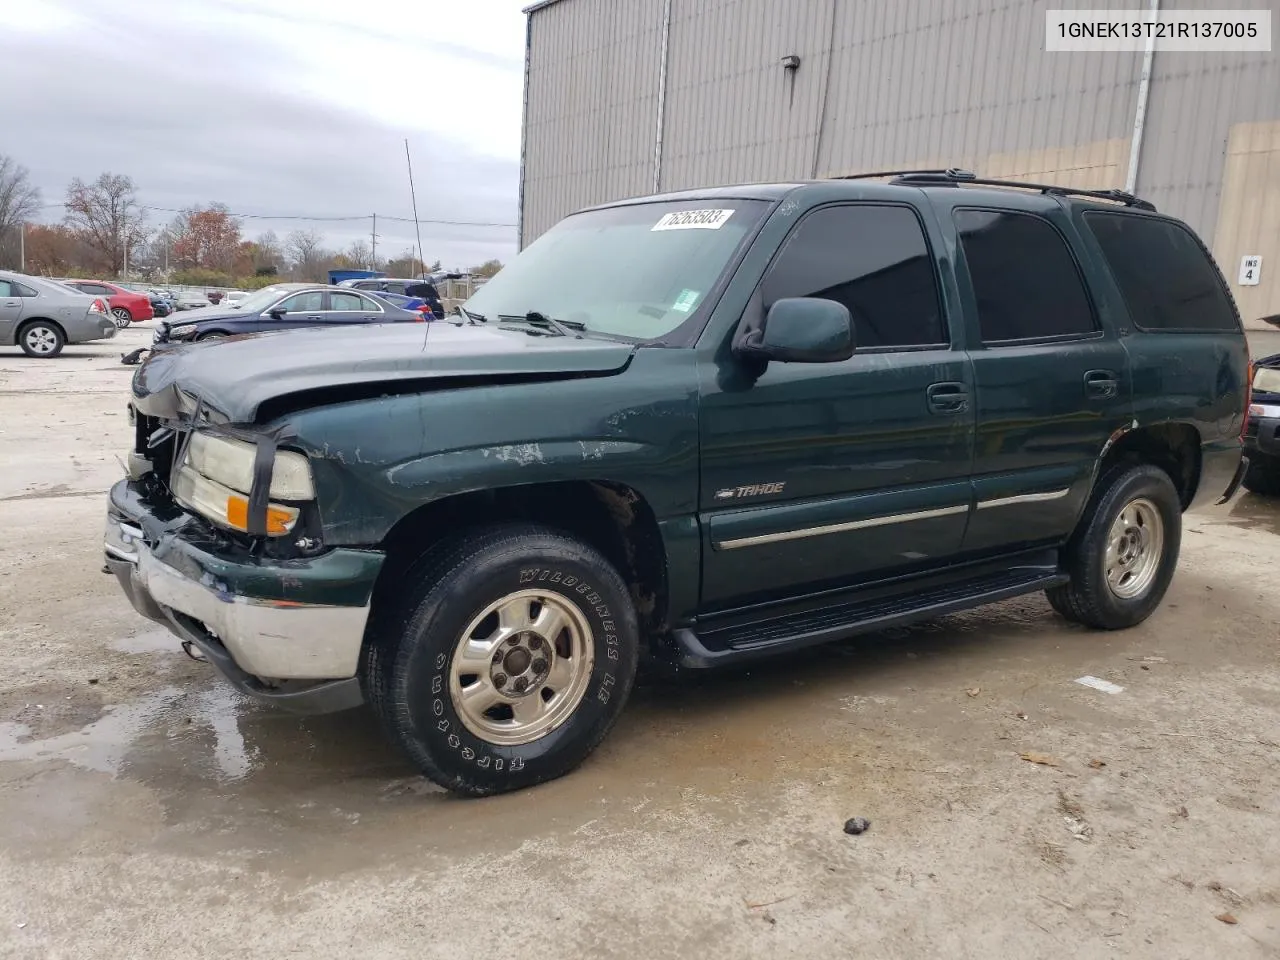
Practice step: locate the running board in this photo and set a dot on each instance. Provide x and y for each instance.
(712, 647)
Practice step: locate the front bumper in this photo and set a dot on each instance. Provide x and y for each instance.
(1263, 435)
(289, 633)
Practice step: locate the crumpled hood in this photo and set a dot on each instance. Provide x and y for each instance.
(235, 376)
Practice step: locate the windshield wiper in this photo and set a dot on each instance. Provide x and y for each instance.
(566, 328)
(471, 315)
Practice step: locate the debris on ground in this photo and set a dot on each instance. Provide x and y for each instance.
(1182, 812)
(1106, 686)
(1227, 894)
(1097, 764)
(1149, 659)
(856, 825)
(1227, 918)
(1020, 715)
(973, 691)
(1043, 759)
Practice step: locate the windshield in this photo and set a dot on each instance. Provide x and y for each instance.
(259, 301)
(635, 271)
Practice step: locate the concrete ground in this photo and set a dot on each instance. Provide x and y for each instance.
(146, 811)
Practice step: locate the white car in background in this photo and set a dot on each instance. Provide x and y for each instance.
(233, 298)
(192, 301)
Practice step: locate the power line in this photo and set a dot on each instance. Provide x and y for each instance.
(315, 219)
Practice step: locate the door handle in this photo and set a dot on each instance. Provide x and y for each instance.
(1101, 385)
(948, 399)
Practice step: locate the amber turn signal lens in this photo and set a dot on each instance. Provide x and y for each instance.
(279, 519)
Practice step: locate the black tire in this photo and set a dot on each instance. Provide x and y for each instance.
(1263, 475)
(41, 339)
(212, 335)
(411, 648)
(1089, 599)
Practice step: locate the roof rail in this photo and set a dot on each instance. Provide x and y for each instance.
(954, 177)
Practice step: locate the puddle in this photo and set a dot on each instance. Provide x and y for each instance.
(1249, 511)
(107, 744)
(152, 641)
(102, 746)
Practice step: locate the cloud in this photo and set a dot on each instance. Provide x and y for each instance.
(279, 107)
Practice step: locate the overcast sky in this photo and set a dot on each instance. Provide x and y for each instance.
(280, 107)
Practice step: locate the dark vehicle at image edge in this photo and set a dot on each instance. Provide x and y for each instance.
(700, 428)
(1262, 432)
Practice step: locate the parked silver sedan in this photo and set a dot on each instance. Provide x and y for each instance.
(42, 316)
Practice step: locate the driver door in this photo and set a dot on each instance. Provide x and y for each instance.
(305, 309)
(817, 476)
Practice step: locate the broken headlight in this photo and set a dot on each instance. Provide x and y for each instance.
(216, 478)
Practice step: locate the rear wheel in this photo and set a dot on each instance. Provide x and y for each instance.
(122, 316)
(42, 339)
(1263, 475)
(508, 660)
(1122, 558)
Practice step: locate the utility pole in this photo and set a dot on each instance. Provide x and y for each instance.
(22, 247)
(373, 257)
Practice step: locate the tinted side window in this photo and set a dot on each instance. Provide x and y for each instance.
(310, 302)
(1024, 278)
(348, 301)
(20, 290)
(6, 289)
(875, 261)
(1167, 281)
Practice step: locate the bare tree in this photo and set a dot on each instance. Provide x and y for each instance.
(19, 202)
(306, 252)
(267, 254)
(105, 215)
(360, 255)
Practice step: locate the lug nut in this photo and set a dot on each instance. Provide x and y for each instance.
(513, 642)
(521, 684)
(497, 657)
(539, 666)
(535, 642)
(500, 680)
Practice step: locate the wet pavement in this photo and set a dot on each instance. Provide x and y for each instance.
(150, 811)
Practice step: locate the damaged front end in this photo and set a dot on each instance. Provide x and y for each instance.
(214, 533)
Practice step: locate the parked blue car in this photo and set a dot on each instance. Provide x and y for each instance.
(284, 306)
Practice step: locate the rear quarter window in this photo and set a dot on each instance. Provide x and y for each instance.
(1164, 274)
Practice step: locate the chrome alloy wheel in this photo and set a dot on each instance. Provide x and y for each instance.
(521, 667)
(1135, 547)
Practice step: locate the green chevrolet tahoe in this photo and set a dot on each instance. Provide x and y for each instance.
(694, 429)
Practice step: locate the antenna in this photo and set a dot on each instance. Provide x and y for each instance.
(422, 267)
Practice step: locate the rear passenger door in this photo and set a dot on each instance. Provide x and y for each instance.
(1052, 385)
(350, 307)
(306, 309)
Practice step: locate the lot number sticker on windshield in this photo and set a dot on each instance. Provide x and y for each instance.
(685, 302)
(694, 220)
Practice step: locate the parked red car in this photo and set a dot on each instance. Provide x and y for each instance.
(126, 306)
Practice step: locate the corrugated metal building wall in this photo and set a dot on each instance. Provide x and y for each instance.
(881, 85)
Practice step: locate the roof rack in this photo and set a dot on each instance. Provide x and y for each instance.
(954, 177)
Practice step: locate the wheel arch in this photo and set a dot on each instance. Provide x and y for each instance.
(613, 517)
(1174, 447)
(28, 321)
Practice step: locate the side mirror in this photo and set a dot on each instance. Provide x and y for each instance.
(277, 313)
(799, 330)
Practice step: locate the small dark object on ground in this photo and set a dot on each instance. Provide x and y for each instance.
(857, 825)
(133, 358)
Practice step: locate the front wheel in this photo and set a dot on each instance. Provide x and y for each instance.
(122, 316)
(509, 660)
(1121, 559)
